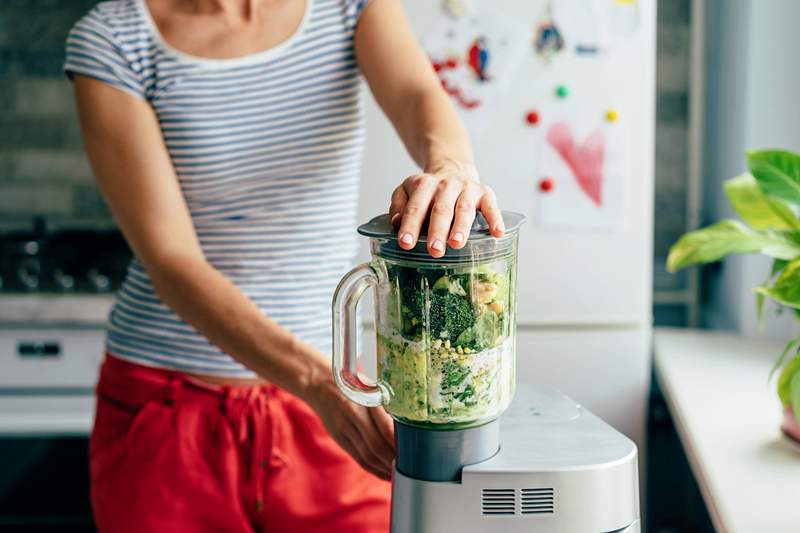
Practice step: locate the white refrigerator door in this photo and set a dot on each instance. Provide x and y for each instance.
(566, 275)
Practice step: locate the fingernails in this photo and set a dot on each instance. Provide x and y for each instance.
(394, 218)
(406, 238)
(437, 245)
(458, 237)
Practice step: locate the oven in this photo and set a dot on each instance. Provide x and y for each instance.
(55, 293)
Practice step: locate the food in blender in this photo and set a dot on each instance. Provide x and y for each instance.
(445, 342)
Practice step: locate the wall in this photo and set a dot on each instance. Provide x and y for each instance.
(42, 166)
(751, 102)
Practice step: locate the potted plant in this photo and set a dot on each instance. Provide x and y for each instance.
(768, 202)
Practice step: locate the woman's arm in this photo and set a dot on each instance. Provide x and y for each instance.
(404, 84)
(136, 177)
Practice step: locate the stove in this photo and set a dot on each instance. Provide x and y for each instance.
(56, 288)
(68, 261)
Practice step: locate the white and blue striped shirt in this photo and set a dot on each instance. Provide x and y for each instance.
(267, 150)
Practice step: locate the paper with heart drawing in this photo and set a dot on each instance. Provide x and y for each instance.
(584, 157)
(475, 56)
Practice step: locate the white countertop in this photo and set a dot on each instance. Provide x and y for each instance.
(55, 415)
(728, 419)
(88, 309)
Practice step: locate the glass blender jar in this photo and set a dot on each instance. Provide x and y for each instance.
(445, 327)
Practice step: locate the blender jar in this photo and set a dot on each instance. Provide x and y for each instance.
(445, 327)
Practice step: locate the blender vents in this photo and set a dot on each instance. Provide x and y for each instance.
(504, 502)
(537, 501)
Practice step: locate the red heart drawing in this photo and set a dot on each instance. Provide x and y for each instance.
(585, 162)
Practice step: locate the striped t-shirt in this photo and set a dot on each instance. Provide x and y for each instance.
(267, 149)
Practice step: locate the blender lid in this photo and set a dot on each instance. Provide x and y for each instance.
(381, 227)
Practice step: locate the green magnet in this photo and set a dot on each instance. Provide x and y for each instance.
(562, 91)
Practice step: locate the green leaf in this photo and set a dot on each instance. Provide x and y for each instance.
(760, 297)
(730, 237)
(786, 289)
(791, 345)
(757, 209)
(785, 379)
(777, 173)
(794, 395)
(777, 266)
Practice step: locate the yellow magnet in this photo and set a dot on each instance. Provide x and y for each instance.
(626, 2)
(612, 115)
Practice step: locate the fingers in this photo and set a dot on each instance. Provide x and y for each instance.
(420, 190)
(376, 447)
(353, 450)
(442, 216)
(359, 436)
(398, 203)
(488, 206)
(464, 215)
(384, 425)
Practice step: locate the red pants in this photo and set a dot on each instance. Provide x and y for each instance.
(170, 454)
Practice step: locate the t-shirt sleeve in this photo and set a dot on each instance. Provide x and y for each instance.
(354, 9)
(94, 50)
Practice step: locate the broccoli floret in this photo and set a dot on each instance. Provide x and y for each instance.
(411, 290)
(450, 315)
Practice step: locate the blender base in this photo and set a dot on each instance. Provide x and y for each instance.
(560, 469)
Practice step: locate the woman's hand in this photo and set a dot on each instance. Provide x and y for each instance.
(366, 433)
(451, 194)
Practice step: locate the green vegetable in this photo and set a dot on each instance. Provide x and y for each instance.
(451, 284)
(483, 334)
(442, 342)
(450, 315)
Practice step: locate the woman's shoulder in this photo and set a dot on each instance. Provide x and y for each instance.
(113, 17)
(111, 43)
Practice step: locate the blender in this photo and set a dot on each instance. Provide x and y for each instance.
(446, 348)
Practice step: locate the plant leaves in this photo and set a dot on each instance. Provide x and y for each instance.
(794, 395)
(777, 266)
(785, 379)
(730, 237)
(777, 173)
(786, 289)
(793, 344)
(757, 209)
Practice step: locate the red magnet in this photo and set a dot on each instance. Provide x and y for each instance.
(451, 63)
(532, 118)
(437, 67)
(546, 184)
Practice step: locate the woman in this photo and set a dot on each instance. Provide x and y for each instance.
(226, 138)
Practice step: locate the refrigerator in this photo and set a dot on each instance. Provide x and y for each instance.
(563, 131)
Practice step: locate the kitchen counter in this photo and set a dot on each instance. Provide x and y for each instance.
(52, 415)
(728, 418)
(78, 309)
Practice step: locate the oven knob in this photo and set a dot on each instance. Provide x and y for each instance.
(28, 273)
(65, 282)
(99, 281)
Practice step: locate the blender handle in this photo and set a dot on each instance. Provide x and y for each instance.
(345, 336)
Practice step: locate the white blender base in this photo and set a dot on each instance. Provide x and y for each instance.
(560, 469)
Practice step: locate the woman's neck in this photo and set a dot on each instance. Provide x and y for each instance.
(234, 9)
